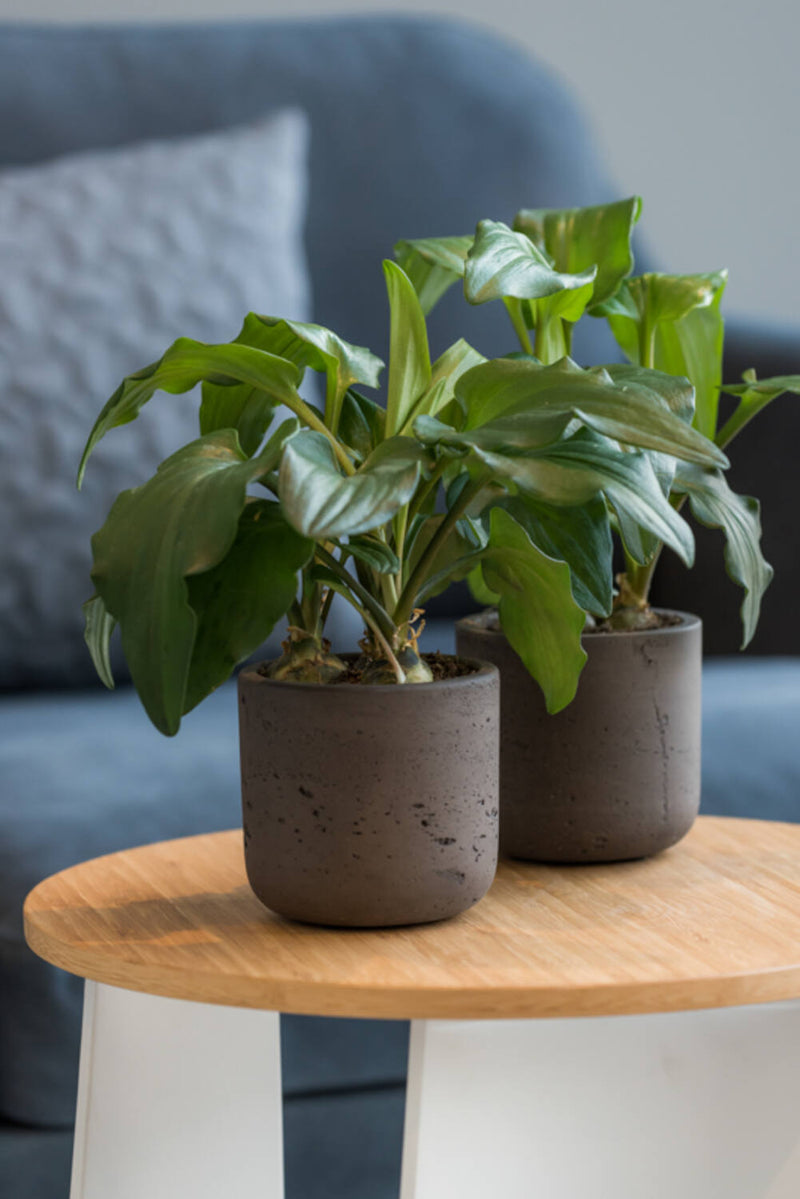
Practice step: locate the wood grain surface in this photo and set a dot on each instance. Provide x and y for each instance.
(713, 922)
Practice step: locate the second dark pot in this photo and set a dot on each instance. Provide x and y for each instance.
(370, 805)
(614, 776)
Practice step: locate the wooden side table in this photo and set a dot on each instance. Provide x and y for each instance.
(613, 1032)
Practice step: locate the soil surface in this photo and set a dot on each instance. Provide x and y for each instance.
(443, 666)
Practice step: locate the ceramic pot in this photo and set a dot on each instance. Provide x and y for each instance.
(369, 805)
(614, 776)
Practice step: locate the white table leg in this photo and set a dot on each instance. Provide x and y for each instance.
(700, 1105)
(176, 1100)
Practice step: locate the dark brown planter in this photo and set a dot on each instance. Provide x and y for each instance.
(614, 776)
(370, 805)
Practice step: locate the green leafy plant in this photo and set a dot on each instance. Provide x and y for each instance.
(509, 472)
(550, 270)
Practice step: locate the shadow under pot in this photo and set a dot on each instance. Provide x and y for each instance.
(370, 806)
(616, 774)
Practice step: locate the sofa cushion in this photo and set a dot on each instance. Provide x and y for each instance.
(105, 258)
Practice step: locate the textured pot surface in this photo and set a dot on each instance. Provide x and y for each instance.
(614, 776)
(370, 805)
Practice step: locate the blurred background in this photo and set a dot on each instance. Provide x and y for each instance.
(694, 104)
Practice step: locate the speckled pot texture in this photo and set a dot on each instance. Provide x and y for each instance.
(614, 776)
(370, 806)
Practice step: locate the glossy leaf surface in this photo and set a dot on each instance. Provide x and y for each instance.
(537, 611)
(99, 624)
(674, 323)
(581, 537)
(305, 344)
(321, 502)
(504, 263)
(187, 363)
(238, 602)
(715, 505)
(409, 357)
(616, 402)
(577, 239)
(181, 522)
(433, 264)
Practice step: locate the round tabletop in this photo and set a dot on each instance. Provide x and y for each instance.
(713, 922)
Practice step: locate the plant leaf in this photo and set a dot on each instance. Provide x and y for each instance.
(362, 424)
(620, 404)
(716, 506)
(480, 592)
(181, 522)
(322, 503)
(304, 344)
(187, 363)
(538, 614)
(754, 395)
(575, 239)
(238, 602)
(458, 547)
(433, 264)
(675, 321)
(409, 357)
(576, 470)
(504, 263)
(374, 553)
(581, 537)
(445, 373)
(98, 627)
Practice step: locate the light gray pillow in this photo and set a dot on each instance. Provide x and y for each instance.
(106, 258)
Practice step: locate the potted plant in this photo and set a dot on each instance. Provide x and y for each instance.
(616, 774)
(370, 780)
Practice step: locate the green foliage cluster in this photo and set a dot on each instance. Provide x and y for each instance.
(514, 473)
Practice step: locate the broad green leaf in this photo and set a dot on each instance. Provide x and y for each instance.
(504, 263)
(576, 239)
(715, 505)
(238, 602)
(98, 627)
(321, 502)
(537, 612)
(576, 470)
(673, 323)
(240, 406)
(553, 317)
(480, 592)
(754, 395)
(409, 357)
(181, 522)
(433, 264)
(619, 405)
(374, 553)
(342, 363)
(581, 537)
(187, 363)
(445, 373)
(362, 425)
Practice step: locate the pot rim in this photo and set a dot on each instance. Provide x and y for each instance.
(485, 671)
(475, 623)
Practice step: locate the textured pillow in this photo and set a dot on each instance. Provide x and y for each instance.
(106, 258)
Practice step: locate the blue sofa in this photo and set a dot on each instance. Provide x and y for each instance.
(418, 127)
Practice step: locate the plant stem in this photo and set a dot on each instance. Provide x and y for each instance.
(359, 591)
(423, 568)
(307, 414)
(514, 309)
